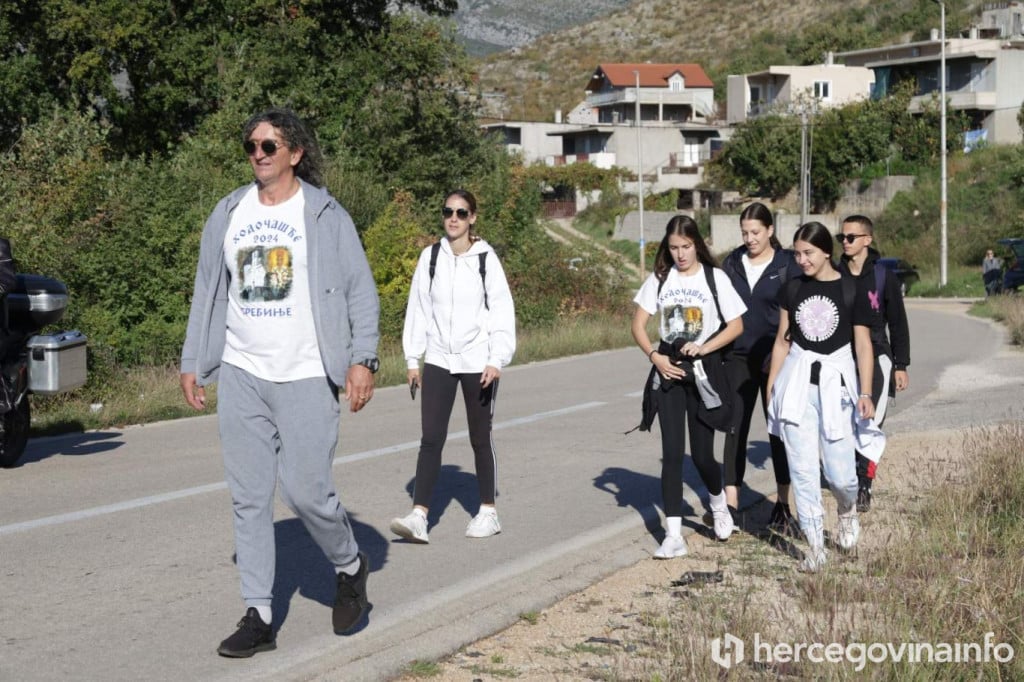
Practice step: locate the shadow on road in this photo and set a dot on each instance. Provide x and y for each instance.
(303, 569)
(453, 485)
(74, 445)
(642, 492)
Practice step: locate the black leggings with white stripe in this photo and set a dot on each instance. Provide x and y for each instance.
(436, 403)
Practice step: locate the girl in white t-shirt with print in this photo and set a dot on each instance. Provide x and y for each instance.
(690, 324)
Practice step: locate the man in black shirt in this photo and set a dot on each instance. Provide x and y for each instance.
(890, 332)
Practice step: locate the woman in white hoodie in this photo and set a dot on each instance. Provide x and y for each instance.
(461, 320)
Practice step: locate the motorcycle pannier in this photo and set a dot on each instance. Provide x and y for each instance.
(56, 362)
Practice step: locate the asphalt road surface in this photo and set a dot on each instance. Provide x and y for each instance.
(116, 546)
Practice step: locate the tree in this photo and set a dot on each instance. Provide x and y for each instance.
(155, 68)
(762, 157)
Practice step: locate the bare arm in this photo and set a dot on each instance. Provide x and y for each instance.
(865, 369)
(780, 349)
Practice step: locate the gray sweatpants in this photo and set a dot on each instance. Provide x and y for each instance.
(280, 432)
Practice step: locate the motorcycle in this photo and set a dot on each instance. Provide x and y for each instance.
(33, 363)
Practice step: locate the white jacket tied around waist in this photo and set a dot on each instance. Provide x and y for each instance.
(447, 322)
(790, 397)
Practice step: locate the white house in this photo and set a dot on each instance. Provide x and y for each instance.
(984, 75)
(781, 89)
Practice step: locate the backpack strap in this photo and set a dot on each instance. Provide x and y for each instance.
(483, 277)
(880, 273)
(436, 249)
(709, 275)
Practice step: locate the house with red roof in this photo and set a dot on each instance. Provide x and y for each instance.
(668, 93)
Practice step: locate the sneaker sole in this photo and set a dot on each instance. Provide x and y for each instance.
(403, 532)
(488, 535)
(674, 556)
(227, 653)
(480, 537)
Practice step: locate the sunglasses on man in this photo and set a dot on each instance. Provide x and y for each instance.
(269, 147)
(848, 238)
(448, 212)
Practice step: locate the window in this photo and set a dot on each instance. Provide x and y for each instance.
(823, 90)
(755, 93)
(676, 84)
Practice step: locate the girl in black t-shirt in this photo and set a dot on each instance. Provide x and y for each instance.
(816, 404)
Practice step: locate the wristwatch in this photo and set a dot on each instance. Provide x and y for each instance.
(372, 364)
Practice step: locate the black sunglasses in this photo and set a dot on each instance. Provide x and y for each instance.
(447, 212)
(848, 238)
(269, 147)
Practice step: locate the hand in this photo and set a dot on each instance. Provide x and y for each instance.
(489, 374)
(902, 379)
(865, 407)
(665, 367)
(195, 395)
(412, 378)
(692, 349)
(358, 387)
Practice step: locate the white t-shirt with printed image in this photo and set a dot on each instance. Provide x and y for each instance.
(270, 329)
(687, 306)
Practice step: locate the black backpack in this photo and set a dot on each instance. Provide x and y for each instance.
(436, 249)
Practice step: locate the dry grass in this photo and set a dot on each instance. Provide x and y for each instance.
(941, 560)
(1009, 310)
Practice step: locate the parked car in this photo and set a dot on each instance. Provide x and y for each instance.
(904, 271)
(1013, 277)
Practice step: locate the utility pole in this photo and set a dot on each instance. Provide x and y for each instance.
(640, 177)
(943, 243)
(803, 165)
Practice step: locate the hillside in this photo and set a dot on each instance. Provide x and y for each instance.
(488, 26)
(725, 37)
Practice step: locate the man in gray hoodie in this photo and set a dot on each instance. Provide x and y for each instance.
(281, 358)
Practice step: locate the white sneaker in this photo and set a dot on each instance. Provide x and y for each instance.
(412, 527)
(814, 560)
(672, 547)
(849, 530)
(484, 524)
(721, 517)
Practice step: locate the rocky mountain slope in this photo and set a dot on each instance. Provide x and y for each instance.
(489, 26)
(531, 80)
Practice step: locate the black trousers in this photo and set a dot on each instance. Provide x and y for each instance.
(749, 382)
(436, 402)
(677, 411)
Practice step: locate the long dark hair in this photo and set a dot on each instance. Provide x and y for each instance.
(759, 212)
(817, 235)
(682, 226)
(297, 135)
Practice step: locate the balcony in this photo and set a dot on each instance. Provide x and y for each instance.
(599, 159)
(985, 101)
(628, 96)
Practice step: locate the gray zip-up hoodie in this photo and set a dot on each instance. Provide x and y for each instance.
(341, 289)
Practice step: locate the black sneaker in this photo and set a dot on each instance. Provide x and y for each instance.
(781, 521)
(863, 499)
(252, 636)
(350, 603)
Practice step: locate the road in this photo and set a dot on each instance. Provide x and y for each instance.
(117, 549)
